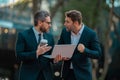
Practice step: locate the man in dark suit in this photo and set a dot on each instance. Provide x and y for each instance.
(87, 46)
(34, 66)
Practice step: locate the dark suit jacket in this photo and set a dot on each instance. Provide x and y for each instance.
(81, 61)
(26, 47)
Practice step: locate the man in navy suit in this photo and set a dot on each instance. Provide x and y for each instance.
(75, 32)
(34, 66)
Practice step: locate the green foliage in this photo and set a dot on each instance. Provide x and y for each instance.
(94, 12)
(87, 7)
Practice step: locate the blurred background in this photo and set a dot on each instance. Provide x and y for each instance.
(101, 15)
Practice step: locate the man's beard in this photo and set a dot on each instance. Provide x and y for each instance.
(68, 29)
(43, 29)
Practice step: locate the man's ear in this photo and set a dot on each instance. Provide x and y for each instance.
(76, 23)
(40, 22)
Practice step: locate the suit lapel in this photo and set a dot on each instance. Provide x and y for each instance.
(82, 36)
(68, 38)
(32, 37)
(68, 35)
(45, 36)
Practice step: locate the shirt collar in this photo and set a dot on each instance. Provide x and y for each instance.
(80, 31)
(35, 31)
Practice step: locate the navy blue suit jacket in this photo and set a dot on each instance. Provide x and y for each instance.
(26, 47)
(81, 61)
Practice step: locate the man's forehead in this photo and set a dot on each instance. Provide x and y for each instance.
(67, 19)
(48, 18)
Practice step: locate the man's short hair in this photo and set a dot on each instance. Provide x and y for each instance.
(40, 15)
(74, 15)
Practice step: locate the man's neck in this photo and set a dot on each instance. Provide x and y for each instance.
(77, 29)
(37, 29)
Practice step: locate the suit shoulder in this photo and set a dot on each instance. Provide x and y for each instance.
(49, 34)
(89, 30)
(64, 30)
(25, 31)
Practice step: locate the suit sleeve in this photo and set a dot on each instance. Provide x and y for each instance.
(21, 52)
(94, 51)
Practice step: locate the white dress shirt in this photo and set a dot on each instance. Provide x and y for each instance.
(75, 39)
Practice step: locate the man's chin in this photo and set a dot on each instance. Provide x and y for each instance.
(46, 31)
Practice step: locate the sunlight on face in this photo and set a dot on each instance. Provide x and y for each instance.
(68, 24)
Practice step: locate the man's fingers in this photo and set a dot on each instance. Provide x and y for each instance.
(47, 48)
(58, 58)
(65, 58)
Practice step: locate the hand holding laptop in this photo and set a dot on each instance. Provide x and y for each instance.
(60, 58)
(62, 52)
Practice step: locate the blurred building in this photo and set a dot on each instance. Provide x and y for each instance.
(15, 17)
(12, 20)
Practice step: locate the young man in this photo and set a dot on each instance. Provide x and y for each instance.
(75, 32)
(34, 66)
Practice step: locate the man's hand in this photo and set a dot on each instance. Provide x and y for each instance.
(60, 58)
(81, 48)
(42, 49)
(57, 58)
